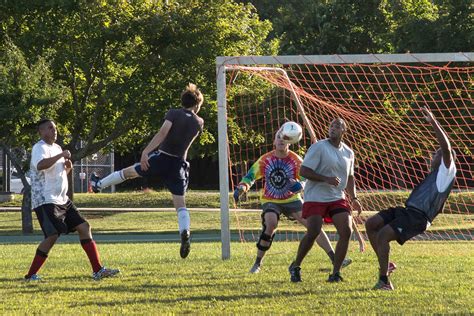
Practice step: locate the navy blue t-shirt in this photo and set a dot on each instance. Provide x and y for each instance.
(186, 126)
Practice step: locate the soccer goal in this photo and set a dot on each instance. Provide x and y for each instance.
(379, 95)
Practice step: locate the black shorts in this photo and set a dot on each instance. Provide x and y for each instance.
(286, 209)
(58, 219)
(173, 171)
(406, 223)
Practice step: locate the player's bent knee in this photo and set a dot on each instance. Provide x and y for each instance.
(313, 233)
(52, 238)
(270, 228)
(345, 233)
(267, 238)
(374, 223)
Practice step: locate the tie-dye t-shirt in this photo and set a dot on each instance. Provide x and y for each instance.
(277, 173)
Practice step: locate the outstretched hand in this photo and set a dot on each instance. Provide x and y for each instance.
(429, 117)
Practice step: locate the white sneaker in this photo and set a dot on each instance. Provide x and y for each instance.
(255, 268)
(346, 262)
(104, 273)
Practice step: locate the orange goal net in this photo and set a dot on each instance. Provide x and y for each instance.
(380, 99)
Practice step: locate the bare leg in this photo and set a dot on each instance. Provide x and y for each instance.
(384, 237)
(343, 223)
(130, 172)
(48, 243)
(84, 231)
(372, 226)
(315, 223)
(322, 240)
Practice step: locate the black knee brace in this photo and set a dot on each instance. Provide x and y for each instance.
(265, 237)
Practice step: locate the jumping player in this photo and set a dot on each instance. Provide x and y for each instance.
(425, 202)
(179, 130)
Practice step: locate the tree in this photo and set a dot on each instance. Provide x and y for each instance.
(125, 64)
(27, 92)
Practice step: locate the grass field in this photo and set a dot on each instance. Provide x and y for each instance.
(433, 277)
(108, 222)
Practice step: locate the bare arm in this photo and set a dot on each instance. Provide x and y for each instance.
(154, 143)
(309, 174)
(48, 162)
(351, 191)
(359, 237)
(443, 140)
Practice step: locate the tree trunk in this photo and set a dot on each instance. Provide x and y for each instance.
(26, 216)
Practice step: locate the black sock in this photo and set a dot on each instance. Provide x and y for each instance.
(384, 279)
(258, 260)
(331, 255)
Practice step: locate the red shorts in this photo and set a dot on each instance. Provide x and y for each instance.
(325, 209)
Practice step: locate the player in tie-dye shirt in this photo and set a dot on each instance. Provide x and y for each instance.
(280, 195)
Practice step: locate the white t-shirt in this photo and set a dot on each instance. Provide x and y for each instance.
(48, 186)
(327, 160)
(445, 175)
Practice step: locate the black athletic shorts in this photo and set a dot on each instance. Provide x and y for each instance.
(406, 223)
(173, 171)
(58, 219)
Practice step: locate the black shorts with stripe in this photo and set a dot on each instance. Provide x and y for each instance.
(407, 223)
(57, 219)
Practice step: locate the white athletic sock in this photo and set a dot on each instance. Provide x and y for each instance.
(184, 221)
(112, 179)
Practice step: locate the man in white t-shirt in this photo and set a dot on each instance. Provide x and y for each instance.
(425, 202)
(329, 169)
(55, 212)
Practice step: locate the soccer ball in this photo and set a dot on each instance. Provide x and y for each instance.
(291, 132)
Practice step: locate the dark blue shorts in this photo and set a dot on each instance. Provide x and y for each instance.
(173, 171)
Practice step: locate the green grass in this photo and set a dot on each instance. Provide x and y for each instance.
(108, 222)
(153, 222)
(458, 202)
(433, 277)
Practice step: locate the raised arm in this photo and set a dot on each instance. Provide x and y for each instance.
(443, 140)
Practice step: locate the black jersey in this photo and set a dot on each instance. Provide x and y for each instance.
(426, 198)
(186, 126)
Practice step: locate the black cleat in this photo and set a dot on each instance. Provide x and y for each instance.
(185, 244)
(334, 278)
(295, 273)
(95, 183)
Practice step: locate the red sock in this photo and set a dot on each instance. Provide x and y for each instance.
(38, 261)
(90, 248)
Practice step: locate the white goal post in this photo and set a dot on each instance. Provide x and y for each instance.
(225, 63)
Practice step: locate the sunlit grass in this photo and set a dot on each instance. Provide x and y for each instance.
(433, 277)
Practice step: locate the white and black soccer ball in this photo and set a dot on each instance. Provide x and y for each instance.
(291, 132)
